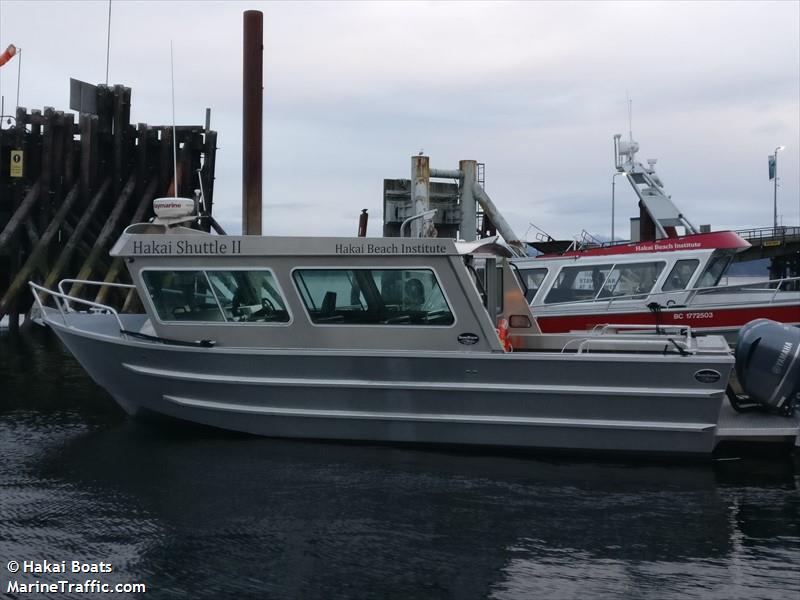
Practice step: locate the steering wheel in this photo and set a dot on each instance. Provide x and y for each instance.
(267, 308)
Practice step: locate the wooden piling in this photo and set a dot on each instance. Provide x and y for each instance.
(112, 273)
(103, 238)
(19, 216)
(85, 178)
(66, 252)
(39, 251)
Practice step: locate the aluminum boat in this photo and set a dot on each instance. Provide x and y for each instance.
(388, 340)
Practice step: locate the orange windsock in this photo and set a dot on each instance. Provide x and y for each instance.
(8, 54)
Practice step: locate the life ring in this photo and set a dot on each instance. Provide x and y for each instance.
(502, 334)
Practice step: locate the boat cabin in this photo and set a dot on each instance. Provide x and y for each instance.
(303, 292)
(633, 271)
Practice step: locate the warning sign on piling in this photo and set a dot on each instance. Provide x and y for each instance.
(16, 163)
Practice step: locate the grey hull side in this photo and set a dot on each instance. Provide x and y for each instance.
(517, 400)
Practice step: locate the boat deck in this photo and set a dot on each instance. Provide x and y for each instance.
(757, 427)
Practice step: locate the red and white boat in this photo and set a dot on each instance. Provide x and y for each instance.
(672, 280)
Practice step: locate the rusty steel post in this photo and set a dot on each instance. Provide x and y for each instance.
(253, 92)
(420, 194)
(363, 218)
(469, 227)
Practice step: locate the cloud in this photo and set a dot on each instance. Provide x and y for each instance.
(534, 90)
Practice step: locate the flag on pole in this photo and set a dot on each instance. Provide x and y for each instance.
(771, 167)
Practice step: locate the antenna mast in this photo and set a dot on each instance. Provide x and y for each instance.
(630, 117)
(19, 71)
(174, 136)
(108, 39)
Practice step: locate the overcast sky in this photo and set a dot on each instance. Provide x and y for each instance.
(535, 90)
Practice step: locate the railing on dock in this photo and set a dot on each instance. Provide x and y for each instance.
(760, 235)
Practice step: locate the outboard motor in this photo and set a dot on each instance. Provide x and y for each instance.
(768, 365)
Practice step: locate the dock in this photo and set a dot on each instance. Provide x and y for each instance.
(781, 245)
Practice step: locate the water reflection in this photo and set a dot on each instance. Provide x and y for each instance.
(199, 513)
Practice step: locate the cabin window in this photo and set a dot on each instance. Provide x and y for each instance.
(373, 297)
(209, 296)
(249, 296)
(680, 275)
(578, 283)
(631, 280)
(480, 271)
(714, 271)
(533, 281)
(182, 296)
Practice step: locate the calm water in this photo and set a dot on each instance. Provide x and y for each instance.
(199, 514)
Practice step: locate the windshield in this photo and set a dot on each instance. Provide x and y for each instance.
(532, 279)
(680, 275)
(714, 271)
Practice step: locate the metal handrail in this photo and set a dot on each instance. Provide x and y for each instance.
(588, 239)
(36, 288)
(584, 345)
(604, 328)
(598, 331)
(61, 283)
(744, 286)
(422, 215)
(681, 330)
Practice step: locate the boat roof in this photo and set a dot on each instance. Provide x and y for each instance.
(181, 241)
(717, 240)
